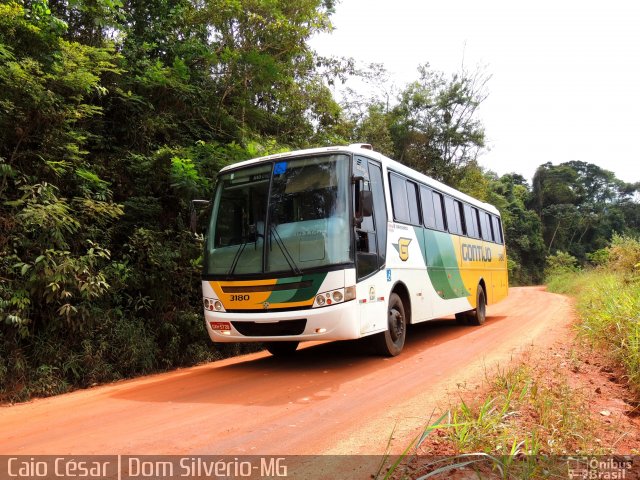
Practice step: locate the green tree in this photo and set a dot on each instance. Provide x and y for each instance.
(114, 114)
(435, 127)
(56, 208)
(523, 229)
(581, 206)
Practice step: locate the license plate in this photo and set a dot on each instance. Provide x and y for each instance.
(220, 325)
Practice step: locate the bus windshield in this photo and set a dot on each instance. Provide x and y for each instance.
(286, 216)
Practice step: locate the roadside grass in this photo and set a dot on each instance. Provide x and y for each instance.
(528, 413)
(607, 300)
(608, 305)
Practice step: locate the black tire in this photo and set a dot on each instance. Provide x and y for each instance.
(479, 315)
(390, 342)
(281, 349)
(462, 318)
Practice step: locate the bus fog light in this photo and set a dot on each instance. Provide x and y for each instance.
(320, 300)
(321, 330)
(337, 296)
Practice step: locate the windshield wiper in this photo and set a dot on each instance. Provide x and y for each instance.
(236, 257)
(253, 234)
(285, 252)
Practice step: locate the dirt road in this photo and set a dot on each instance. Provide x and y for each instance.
(330, 398)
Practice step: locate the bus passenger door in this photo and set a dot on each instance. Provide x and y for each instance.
(371, 240)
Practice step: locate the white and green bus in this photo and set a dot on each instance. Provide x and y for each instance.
(340, 243)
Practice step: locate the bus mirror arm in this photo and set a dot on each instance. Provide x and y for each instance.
(195, 205)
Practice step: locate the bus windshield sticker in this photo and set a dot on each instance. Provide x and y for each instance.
(279, 168)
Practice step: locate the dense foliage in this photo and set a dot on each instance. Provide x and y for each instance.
(115, 114)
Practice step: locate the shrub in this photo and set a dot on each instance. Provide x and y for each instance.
(624, 255)
(559, 264)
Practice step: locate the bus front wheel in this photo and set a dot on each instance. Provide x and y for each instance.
(281, 349)
(390, 342)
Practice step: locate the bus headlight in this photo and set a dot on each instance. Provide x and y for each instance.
(213, 304)
(339, 295)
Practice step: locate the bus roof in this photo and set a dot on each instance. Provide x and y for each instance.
(365, 151)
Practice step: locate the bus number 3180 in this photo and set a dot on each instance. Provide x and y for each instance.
(239, 298)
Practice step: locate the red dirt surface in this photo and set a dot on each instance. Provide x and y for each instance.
(329, 398)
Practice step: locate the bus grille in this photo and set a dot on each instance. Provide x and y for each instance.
(279, 329)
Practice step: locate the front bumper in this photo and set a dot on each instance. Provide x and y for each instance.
(333, 322)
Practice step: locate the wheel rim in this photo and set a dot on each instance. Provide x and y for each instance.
(396, 324)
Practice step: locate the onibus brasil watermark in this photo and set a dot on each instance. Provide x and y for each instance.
(599, 468)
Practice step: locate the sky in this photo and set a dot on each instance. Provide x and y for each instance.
(565, 74)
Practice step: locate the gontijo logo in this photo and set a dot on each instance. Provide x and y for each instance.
(402, 248)
(475, 253)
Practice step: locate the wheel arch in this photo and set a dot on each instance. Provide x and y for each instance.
(402, 291)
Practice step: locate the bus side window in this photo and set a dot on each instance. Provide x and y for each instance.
(399, 198)
(493, 235)
(497, 230)
(412, 201)
(428, 212)
(460, 225)
(487, 230)
(475, 222)
(469, 218)
(479, 223)
(438, 208)
(453, 223)
(484, 227)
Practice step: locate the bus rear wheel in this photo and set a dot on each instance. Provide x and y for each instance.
(462, 318)
(479, 315)
(281, 349)
(390, 342)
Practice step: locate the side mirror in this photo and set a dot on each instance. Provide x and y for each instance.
(195, 206)
(365, 202)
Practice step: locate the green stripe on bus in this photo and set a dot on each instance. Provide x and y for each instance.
(299, 294)
(442, 263)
